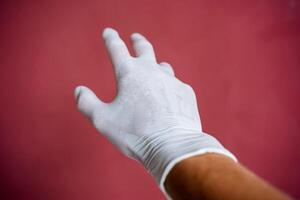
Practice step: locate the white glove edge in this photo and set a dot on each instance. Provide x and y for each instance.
(188, 155)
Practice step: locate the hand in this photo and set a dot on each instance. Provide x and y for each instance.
(154, 117)
(149, 99)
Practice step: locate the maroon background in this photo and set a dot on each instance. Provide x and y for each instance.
(241, 57)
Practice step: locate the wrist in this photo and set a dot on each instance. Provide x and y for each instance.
(160, 151)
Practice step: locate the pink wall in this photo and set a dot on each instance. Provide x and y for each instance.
(241, 58)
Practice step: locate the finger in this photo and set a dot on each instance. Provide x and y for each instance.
(117, 49)
(166, 67)
(142, 47)
(87, 101)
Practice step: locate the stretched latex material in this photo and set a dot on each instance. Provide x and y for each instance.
(154, 118)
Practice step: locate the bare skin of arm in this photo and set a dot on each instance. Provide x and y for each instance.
(214, 176)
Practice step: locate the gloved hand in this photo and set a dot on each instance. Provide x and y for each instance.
(154, 117)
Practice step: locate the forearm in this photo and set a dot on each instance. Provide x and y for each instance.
(214, 176)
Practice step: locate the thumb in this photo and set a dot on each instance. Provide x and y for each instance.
(87, 101)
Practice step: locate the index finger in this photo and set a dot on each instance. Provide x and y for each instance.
(116, 47)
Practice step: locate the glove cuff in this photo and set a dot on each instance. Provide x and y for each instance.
(170, 166)
(161, 151)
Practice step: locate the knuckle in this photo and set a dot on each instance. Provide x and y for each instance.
(125, 63)
(189, 88)
(165, 64)
(125, 68)
(169, 67)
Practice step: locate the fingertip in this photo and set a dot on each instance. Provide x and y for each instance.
(77, 92)
(108, 32)
(116, 48)
(86, 100)
(80, 90)
(136, 36)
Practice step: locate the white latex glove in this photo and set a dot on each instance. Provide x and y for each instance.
(154, 117)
